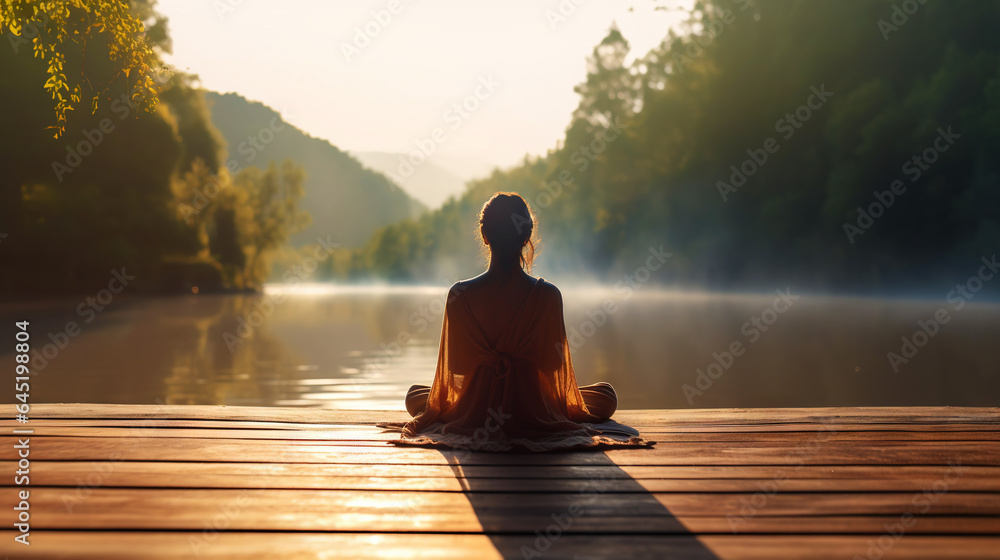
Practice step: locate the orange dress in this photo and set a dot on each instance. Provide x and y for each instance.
(520, 393)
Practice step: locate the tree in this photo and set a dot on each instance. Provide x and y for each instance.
(58, 32)
(270, 214)
(608, 94)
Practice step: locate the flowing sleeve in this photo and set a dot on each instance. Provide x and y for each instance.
(551, 353)
(458, 355)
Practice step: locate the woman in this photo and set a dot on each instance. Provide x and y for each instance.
(504, 376)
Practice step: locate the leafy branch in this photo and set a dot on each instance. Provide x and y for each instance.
(57, 28)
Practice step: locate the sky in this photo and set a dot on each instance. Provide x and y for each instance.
(496, 78)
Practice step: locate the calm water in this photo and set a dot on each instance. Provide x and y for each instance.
(360, 348)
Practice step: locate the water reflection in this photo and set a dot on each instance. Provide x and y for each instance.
(302, 349)
(320, 346)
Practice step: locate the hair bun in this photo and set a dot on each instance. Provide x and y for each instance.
(507, 225)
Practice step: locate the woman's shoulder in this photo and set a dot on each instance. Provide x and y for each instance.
(463, 286)
(457, 289)
(549, 289)
(473, 284)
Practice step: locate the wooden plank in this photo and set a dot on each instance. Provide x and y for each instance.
(818, 427)
(795, 437)
(972, 478)
(207, 412)
(370, 433)
(892, 415)
(898, 414)
(140, 423)
(357, 434)
(329, 510)
(496, 523)
(57, 448)
(653, 429)
(210, 544)
(181, 475)
(793, 445)
(915, 547)
(296, 546)
(494, 479)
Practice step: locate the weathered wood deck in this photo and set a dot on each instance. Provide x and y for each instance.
(113, 481)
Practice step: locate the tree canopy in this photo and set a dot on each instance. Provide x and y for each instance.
(136, 182)
(58, 32)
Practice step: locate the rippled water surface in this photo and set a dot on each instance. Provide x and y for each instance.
(360, 348)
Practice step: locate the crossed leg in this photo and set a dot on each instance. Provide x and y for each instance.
(600, 398)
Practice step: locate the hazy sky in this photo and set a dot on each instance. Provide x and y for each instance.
(428, 57)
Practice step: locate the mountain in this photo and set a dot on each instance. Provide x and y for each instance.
(346, 200)
(432, 182)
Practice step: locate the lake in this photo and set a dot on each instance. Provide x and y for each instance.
(362, 347)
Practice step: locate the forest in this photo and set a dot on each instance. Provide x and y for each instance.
(121, 168)
(844, 146)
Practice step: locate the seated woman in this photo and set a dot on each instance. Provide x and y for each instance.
(504, 376)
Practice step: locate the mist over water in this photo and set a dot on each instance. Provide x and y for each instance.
(357, 347)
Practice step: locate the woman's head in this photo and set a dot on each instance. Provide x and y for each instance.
(508, 229)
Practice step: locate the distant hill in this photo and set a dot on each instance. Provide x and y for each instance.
(345, 199)
(432, 182)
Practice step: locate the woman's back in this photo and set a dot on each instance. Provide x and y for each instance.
(494, 299)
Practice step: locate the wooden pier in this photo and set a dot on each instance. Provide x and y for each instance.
(120, 481)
